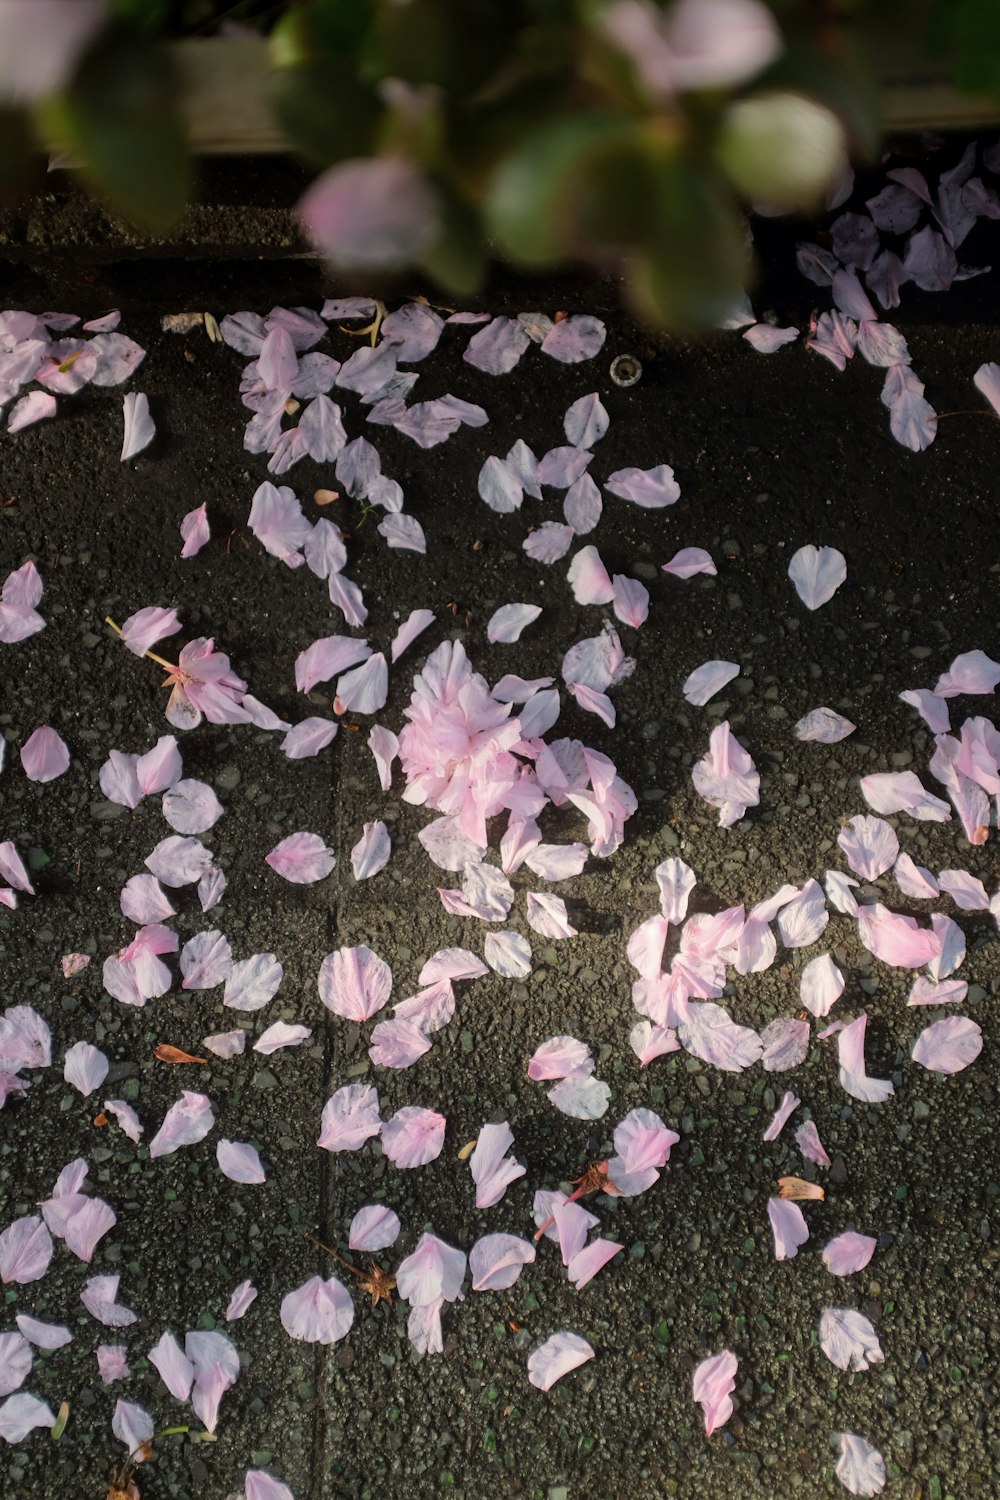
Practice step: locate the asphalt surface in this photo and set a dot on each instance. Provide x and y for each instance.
(770, 453)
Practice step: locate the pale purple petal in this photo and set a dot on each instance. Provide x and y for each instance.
(788, 1226)
(240, 1162)
(817, 574)
(787, 1107)
(848, 1252)
(318, 1312)
(650, 488)
(582, 505)
(205, 961)
(848, 1339)
(252, 982)
(191, 807)
(86, 1067)
(350, 1117)
(912, 420)
(301, 858)
(808, 1141)
(140, 429)
(112, 1363)
(43, 1335)
(948, 1045)
(263, 1486)
(16, 1360)
(374, 1227)
(20, 1413)
(186, 1122)
(143, 901)
(689, 561)
(860, 1467)
(86, 1225)
(377, 213)
(44, 755)
(574, 339)
(586, 421)
(497, 348)
(413, 1136)
(178, 861)
(768, 340)
(712, 1386)
(99, 1298)
(277, 521)
(25, 1250)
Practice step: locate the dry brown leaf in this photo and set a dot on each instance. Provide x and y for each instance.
(166, 1053)
(100, 1119)
(181, 322)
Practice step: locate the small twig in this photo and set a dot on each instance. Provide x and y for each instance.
(169, 666)
(339, 1258)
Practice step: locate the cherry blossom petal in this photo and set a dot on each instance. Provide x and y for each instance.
(318, 1312)
(709, 1032)
(779, 1119)
(705, 681)
(34, 407)
(44, 755)
(413, 1136)
(582, 505)
(948, 1045)
(549, 542)
(492, 1170)
(649, 1042)
(768, 340)
(277, 521)
(260, 1485)
(365, 689)
(630, 601)
(581, 1096)
(688, 562)
(191, 807)
(547, 916)
(817, 574)
(848, 1252)
(354, 983)
(175, 1369)
(870, 846)
(808, 1141)
(560, 1057)
(139, 427)
(86, 1067)
(240, 1162)
(497, 348)
(896, 939)
(860, 1467)
(301, 858)
(589, 578)
(242, 1298)
(802, 921)
(561, 1353)
(112, 1363)
(931, 992)
(586, 1263)
(178, 861)
(848, 1339)
(281, 1034)
(99, 1298)
(902, 791)
(726, 776)
(374, 1227)
(252, 982)
(508, 954)
(20, 1414)
(932, 709)
(16, 1360)
(497, 1260)
(186, 1122)
(25, 1250)
(652, 489)
(195, 532)
(350, 1117)
(914, 880)
(126, 1116)
(824, 726)
(853, 1069)
(712, 1386)
(788, 1227)
(821, 985)
(676, 881)
(967, 891)
(575, 339)
(586, 421)
(205, 961)
(506, 624)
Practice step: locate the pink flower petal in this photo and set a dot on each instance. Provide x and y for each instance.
(413, 1137)
(650, 488)
(870, 846)
(808, 1141)
(252, 982)
(688, 562)
(848, 1252)
(821, 985)
(43, 1335)
(240, 1162)
(712, 1386)
(140, 429)
(191, 807)
(205, 961)
(318, 1312)
(365, 689)
(705, 681)
(86, 1067)
(34, 407)
(589, 578)
(179, 861)
(817, 574)
(374, 1227)
(25, 1250)
(785, 1109)
(549, 542)
(561, 1353)
(788, 1226)
(506, 624)
(581, 1096)
(277, 522)
(586, 421)
(350, 1117)
(354, 983)
(860, 1467)
(768, 340)
(175, 1369)
(848, 1339)
(44, 755)
(281, 1034)
(20, 1414)
(492, 1170)
(497, 347)
(186, 1122)
(242, 1298)
(896, 939)
(824, 726)
(948, 1045)
(497, 1260)
(377, 213)
(726, 776)
(195, 531)
(301, 858)
(575, 339)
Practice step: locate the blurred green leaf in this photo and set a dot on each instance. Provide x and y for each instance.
(692, 266)
(18, 154)
(120, 115)
(321, 31)
(149, 15)
(969, 31)
(458, 260)
(327, 113)
(457, 47)
(781, 148)
(530, 202)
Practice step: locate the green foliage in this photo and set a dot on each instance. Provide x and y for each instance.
(542, 136)
(120, 117)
